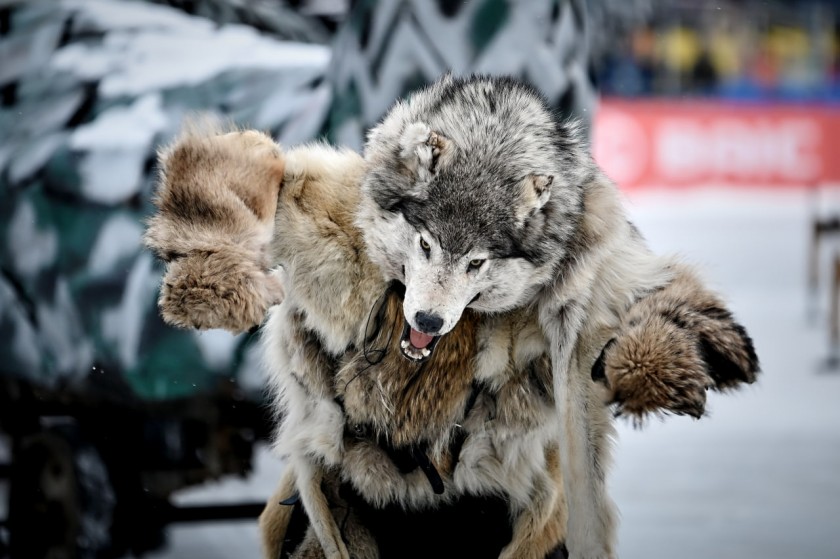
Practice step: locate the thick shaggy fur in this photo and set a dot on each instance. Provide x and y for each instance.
(675, 344)
(351, 408)
(477, 197)
(324, 346)
(216, 199)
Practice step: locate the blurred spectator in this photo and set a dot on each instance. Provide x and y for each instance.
(703, 74)
(744, 50)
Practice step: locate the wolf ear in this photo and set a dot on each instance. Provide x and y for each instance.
(420, 150)
(534, 191)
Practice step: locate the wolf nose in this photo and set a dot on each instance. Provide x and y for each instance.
(428, 323)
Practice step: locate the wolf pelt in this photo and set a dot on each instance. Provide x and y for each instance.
(318, 344)
(346, 402)
(477, 197)
(213, 231)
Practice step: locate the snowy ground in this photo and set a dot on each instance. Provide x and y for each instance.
(759, 477)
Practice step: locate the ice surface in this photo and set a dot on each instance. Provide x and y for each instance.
(302, 111)
(111, 176)
(759, 476)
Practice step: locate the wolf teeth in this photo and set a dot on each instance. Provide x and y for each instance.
(413, 352)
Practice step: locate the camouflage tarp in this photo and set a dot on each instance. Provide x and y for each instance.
(388, 48)
(90, 88)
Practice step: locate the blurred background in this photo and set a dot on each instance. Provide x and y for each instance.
(720, 121)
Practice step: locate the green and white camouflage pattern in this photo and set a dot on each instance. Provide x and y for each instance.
(90, 88)
(388, 48)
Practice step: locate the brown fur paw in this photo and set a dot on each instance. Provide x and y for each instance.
(672, 345)
(221, 289)
(216, 198)
(654, 368)
(726, 347)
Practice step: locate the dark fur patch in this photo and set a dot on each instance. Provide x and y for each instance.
(598, 372)
(426, 399)
(723, 368)
(675, 343)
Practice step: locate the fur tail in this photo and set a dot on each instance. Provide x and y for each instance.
(672, 346)
(216, 197)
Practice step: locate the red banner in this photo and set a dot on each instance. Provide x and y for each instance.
(682, 144)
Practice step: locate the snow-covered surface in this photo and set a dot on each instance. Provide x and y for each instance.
(759, 477)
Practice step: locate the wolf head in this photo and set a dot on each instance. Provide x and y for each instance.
(472, 193)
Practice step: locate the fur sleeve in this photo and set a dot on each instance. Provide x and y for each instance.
(216, 197)
(672, 346)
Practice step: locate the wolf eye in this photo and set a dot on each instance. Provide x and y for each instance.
(425, 246)
(475, 264)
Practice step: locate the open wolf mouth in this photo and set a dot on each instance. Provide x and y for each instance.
(417, 346)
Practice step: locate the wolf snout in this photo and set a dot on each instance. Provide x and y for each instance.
(428, 323)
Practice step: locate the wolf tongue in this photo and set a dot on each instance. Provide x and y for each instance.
(419, 339)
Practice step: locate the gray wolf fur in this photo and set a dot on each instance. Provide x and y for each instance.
(477, 196)
(336, 270)
(332, 285)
